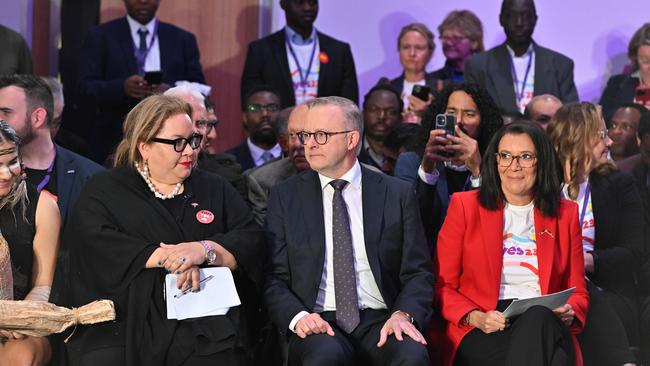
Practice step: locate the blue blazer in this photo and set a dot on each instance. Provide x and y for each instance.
(243, 155)
(393, 237)
(107, 60)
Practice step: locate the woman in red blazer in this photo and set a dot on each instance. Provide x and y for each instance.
(513, 238)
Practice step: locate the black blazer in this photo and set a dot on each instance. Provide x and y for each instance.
(394, 242)
(620, 227)
(267, 63)
(491, 70)
(243, 155)
(107, 60)
(619, 90)
(429, 80)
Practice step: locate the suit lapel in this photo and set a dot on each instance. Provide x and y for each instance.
(502, 77)
(543, 72)
(546, 239)
(167, 51)
(127, 46)
(492, 234)
(281, 57)
(312, 215)
(65, 178)
(325, 70)
(373, 197)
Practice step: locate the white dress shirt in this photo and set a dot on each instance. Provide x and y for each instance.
(152, 62)
(369, 295)
(256, 152)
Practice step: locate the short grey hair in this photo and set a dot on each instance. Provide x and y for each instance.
(55, 87)
(281, 126)
(351, 113)
(548, 97)
(183, 90)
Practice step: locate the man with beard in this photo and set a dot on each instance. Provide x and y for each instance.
(519, 69)
(26, 103)
(623, 130)
(300, 62)
(381, 113)
(260, 115)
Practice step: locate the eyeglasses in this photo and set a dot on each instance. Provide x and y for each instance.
(319, 136)
(207, 125)
(181, 142)
(525, 160)
(390, 112)
(452, 39)
(258, 108)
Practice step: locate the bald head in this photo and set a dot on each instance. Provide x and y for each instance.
(542, 108)
(199, 113)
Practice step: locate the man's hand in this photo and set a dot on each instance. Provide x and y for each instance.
(312, 324)
(490, 322)
(136, 87)
(397, 324)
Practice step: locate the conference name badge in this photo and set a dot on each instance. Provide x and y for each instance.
(323, 58)
(204, 216)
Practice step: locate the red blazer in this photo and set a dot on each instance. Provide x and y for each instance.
(469, 261)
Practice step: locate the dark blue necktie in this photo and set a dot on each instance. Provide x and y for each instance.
(142, 48)
(345, 283)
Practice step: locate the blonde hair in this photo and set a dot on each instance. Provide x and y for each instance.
(144, 122)
(420, 28)
(574, 130)
(468, 24)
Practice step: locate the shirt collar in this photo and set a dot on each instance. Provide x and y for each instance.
(256, 151)
(297, 39)
(528, 53)
(134, 25)
(353, 176)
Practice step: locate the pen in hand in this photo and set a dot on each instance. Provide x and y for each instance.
(187, 290)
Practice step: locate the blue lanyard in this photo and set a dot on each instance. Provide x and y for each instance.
(303, 78)
(141, 57)
(519, 94)
(585, 201)
(46, 179)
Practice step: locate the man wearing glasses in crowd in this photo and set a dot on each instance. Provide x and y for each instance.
(260, 114)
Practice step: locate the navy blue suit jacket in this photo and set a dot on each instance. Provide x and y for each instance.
(267, 63)
(394, 241)
(243, 155)
(108, 59)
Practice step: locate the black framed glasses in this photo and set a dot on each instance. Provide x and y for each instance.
(525, 160)
(320, 137)
(258, 108)
(181, 142)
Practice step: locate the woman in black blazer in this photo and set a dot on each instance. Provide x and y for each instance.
(611, 215)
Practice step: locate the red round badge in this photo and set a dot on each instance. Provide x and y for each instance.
(323, 58)
(205, 216)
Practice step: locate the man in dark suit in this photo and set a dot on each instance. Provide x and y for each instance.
(260, 116)
(351, 278)
(519, 69)
(114, 59)
(320, 65)
(382, 108)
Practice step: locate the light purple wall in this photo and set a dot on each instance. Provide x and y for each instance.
(594, 33)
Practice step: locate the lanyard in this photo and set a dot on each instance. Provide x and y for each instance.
(142, 56)
(46, 179)
(303, 78)
(585, 201)
(519, 94)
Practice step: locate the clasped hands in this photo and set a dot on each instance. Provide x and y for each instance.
(398, 324)
(494, 321)
(462, 149)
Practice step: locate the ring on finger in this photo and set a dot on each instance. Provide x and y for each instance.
(182, 259)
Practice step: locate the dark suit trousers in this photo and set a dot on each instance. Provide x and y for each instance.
(535, 338)
(356, 348)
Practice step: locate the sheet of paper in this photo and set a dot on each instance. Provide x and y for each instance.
(216, 295)
(550, 301)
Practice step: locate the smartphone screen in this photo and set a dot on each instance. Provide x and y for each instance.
(153, 77)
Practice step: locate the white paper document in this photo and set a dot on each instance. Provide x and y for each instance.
(550, 301)
(217, 294)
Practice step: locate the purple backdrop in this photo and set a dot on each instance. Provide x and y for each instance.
(594, 33)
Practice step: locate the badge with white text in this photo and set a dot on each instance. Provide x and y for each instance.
(205, 216)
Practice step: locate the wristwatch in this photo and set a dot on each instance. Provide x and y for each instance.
(210, 253)
(405, 314)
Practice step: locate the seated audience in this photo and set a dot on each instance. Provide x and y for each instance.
(519, 69)
(634, 87)
(444, 163)
(461, 36)
(151, 215)
(623, 130)
(541, 109)
(115, 58)
(415, 46)
(339, 303)
(514, 238)
(612, 222)
(638, 166)
(300, 62)
(30, 224)
(259, 116)
(381, 114)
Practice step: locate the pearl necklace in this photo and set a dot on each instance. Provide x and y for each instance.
(145, 175)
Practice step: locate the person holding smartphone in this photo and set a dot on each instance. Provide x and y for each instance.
(446, 163)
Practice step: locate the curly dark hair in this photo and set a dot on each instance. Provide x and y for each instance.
(491, 119)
